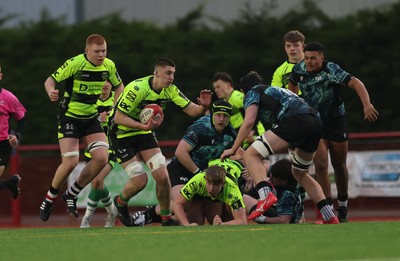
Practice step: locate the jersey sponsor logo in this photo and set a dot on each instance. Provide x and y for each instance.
(187, 193)
(83, 87)
(318, 79)
(131, 96)
(62, 67)
(193, 185)
(124, 105)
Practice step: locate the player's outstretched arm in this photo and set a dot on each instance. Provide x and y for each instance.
(370, 113)
(204, 103)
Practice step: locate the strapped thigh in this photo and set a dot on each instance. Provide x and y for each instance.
(262, 146)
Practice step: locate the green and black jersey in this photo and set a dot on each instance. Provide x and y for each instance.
(236, 99)
(230, 193)
(233, 168)
(83, 84)
(282, 75)
(139, 93)
(237, 117)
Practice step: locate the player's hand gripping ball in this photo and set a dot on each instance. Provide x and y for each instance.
(151, 111)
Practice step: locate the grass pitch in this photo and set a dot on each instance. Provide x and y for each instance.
(351, 241)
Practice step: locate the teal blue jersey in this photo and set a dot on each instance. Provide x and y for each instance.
(207, 143)
(275, 103)
(289, 203)
(322, 90)
(237, 117)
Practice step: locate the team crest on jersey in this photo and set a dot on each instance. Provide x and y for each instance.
(163, 103)
(104, 76)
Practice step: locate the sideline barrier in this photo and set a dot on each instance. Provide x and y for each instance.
(115, 181)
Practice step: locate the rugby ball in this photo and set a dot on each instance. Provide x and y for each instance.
(151, 111)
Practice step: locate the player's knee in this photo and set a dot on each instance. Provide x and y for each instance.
(70, 154)
(98, 145)
(300, 164)
(262, 146)
(70, 160)
(135, 169)
(156, 161)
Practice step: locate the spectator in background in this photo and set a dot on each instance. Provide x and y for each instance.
(84, 76)
(9, 107)
(320, 82)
